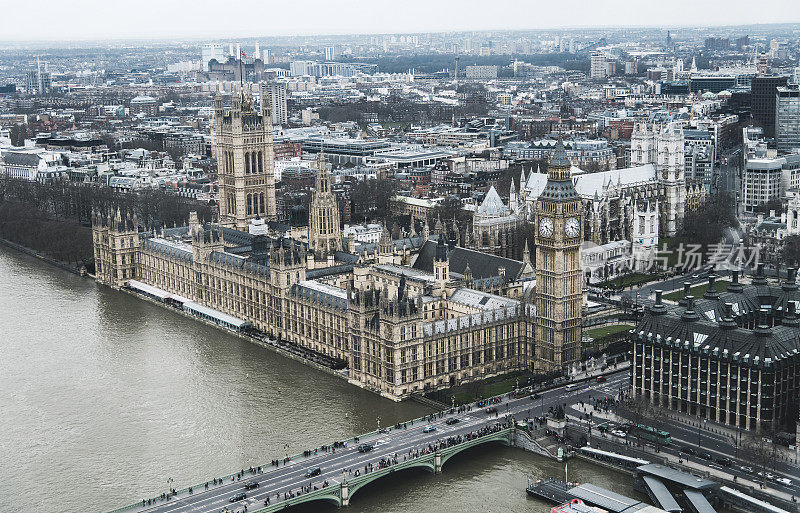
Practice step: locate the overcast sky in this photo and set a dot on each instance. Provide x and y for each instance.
(139, 19)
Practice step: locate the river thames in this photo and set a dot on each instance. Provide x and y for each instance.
(105, 397)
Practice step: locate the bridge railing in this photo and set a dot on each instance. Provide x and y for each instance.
(297, 457)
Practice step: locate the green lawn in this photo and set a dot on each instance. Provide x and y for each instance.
(596, 333)
(697, 291)
(629, 280)
(495, 386)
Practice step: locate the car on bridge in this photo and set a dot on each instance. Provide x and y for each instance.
(365, 447)
(535, 396)
(313, 472)
(600, 379)
(491, 410)
(429, 429)
(250, 485)
(238, 497)
(451, 421)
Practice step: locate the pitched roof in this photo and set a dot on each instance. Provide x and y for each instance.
(13, 158)
(482, 265)
(492, 205)
(590, 184)
(559, 158)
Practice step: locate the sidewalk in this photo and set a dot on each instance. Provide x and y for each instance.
(594, 372)
(719, 473)
(783, 453)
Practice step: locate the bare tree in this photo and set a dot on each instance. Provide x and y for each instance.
(762, 453)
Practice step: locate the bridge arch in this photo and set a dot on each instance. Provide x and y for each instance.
(501, 437)
(360, 482)
(331, 497)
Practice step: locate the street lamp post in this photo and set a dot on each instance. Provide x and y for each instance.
(700, 424)
(169, 486)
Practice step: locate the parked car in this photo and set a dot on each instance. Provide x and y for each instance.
(238, 497)
(313, 472)
(250, 485)
(429, 429)
(365, 447)
(451, 421)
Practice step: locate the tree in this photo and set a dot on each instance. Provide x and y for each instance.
(761, 453)
(773, 204)
(707, 224)
(370, 200)
(447, 210)
(791, 249)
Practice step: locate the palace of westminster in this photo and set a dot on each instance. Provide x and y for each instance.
(447, 316)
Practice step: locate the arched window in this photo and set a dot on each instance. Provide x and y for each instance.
(260, 162)
(247, 163)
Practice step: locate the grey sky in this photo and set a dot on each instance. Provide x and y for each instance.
(126, 19)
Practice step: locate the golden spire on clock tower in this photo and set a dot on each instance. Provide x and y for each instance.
(559, 278)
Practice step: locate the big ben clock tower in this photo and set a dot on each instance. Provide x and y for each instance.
(559, 279)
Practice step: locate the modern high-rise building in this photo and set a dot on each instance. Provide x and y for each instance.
(277, 99)
(598, 65)
(763, 90)
(245, 160)
(787, 118)
(330, 53)
(559, 278)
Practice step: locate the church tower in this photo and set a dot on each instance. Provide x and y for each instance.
(559, 279)
(245, 160)
(325, 235)
(670, 166)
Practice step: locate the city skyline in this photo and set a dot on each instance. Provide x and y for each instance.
(150, 20)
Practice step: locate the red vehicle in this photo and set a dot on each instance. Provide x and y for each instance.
(600, 379)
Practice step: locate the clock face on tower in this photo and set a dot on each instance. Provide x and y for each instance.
(546, 227)
(572, 228)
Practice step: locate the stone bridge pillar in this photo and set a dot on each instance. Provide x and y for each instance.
(345, 494)
(437, 462)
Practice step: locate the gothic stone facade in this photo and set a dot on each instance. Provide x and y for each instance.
(245, 160)
(400, 330)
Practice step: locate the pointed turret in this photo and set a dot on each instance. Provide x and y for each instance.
(438, 227)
